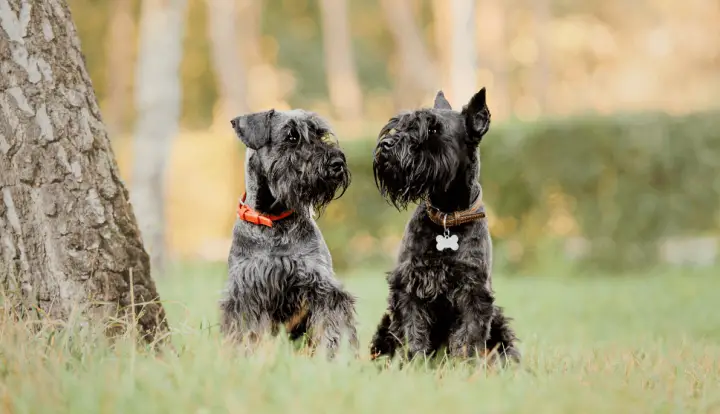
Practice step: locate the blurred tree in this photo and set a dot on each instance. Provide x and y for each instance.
(197, 77)
(158, 102)
(92, 18)
(541, 71)
(120, 60)
(416, 79)
(250, 12)
(343, 85)
(442, 24)
(248, 36)
(68, 235)
(493, 33)
(463, 52)
(230, 67)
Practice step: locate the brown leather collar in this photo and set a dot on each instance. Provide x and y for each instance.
(474, 212)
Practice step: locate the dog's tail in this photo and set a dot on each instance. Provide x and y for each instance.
(383, 342)
(502, 338)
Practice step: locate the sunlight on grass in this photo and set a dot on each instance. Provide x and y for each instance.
(646, 344)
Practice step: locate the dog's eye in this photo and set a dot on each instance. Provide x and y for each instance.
(327, 138)
(292, 136)
(432, 130)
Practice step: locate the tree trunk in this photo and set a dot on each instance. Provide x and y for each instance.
(157, 95)
(228, 62)
(417, 78)
(343, 84)
(120, 59)
(68, 235)
(463, 52)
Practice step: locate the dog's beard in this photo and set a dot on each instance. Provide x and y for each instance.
(404, 177)
(310, 188)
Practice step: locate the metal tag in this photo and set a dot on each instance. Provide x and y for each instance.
(446, 241)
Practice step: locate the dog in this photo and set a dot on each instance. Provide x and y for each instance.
(440, 292)
(280, 272)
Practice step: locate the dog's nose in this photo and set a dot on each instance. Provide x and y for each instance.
(337, 166)
(233, 122)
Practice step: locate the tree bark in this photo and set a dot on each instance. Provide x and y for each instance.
(68, 235)
(417, 78)
(228, 62)
(158, 105)
(463, 52)
(343, 84)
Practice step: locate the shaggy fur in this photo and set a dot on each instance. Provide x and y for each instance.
(439, 298)
(281, 277)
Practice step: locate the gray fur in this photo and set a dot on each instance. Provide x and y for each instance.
(282, 277)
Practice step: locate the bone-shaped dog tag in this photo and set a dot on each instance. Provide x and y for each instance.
(447, 242)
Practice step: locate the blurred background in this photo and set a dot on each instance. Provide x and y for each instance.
(604, 151)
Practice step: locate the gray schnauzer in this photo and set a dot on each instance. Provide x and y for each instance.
(280, 269)
(440, 291)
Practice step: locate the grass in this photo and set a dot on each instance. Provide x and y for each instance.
(604, 345)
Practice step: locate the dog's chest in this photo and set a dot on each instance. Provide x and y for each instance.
(462, 246)
(427, 272)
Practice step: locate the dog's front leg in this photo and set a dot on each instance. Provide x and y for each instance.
(246, 329)
(243, 320)
(333, 317)
(417, 323)
(476, 314)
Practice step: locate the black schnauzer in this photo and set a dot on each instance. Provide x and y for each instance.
(280, 269)
(441, 291)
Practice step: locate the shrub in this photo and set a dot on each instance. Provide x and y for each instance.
(621, 182)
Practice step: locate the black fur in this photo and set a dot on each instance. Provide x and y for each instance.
(439, 298)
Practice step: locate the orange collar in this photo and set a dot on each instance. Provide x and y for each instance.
(246, 213)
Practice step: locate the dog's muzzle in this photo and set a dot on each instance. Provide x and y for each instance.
(386, 144)
(384, 148)
(336, 168)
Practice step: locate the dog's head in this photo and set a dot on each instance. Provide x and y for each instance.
(423, 151)
(296, 155)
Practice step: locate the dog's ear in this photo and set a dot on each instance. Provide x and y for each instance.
(477, 116)
(254, 129)
(441, 102)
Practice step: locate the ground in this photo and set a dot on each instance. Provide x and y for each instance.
(650, 343)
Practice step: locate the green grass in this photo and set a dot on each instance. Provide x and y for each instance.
(605, 345)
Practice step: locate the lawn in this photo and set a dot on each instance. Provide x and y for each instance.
(645, 344)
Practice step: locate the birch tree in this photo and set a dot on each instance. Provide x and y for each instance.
(463, 51)
(227, 58)
(417, 77)
(158, 104)
(343, 84)
(68, 236)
